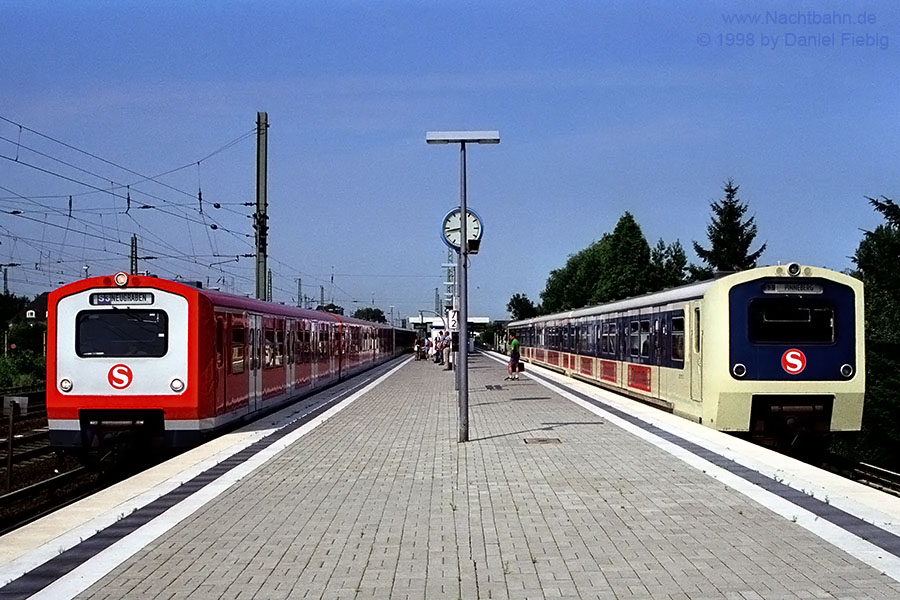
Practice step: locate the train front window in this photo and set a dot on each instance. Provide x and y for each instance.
(121, 333)
(791, 321)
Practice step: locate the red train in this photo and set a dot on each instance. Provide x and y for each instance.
(170, 364)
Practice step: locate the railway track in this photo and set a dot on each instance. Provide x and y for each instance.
(884, 480)
(867, 474)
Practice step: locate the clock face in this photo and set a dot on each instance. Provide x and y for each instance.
(452, 231)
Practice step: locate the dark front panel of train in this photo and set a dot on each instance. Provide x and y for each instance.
(785, 329)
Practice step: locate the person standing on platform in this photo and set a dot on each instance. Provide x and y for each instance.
(446, 352)
(513, 358)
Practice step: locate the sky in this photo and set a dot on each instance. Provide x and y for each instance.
(602, 108)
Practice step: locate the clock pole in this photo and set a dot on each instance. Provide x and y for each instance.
(461, 138)
(463, 372)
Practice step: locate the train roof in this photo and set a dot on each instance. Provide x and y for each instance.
(689, 291)
(677, 294)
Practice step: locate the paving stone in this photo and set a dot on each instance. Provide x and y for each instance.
(382, 502)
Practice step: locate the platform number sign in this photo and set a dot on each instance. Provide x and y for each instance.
(454, 320)
(793, 361)
(120, 376)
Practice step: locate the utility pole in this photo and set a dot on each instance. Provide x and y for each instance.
(321, 295)
(134, 263)
(299, 293)
(261, 224)
(269, 286)
(5, 276)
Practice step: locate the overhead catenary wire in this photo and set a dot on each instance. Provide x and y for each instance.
(129, 199)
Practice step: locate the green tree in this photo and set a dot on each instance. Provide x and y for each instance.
(10, 305)
(331, 308)
(668, 265)
(553, 296)
(571, 286)
(27, 335)
(876, 266)
(624, 262)
(729, 235)
(489, 335)
(369, 313)
(521, 307)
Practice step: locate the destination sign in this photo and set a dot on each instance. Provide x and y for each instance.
(792, 288)
(115, 298)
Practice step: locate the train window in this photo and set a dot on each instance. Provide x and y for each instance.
(678, 338)
(253, 365)
(238, 342)
(697, 330)
(791, 321)
(645, 338)
(121, 333)
(634, 339)
(269, 341)
(279, 347)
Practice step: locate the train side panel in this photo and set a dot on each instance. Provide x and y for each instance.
(767, 351)
(162, 362)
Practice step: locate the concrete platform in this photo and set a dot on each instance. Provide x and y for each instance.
(564, 491)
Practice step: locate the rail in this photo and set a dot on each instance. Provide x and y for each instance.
(882, 479)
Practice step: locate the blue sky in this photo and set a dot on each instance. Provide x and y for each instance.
(602, 108)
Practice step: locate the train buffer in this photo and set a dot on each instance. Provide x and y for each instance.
(563, 491)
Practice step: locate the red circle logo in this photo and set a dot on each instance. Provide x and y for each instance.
(120, 376)
(793, 361)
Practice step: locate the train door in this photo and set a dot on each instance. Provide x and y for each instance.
(290, 330)
(656, 336)
(339, 348)
(223, 350)
(256, 343)
(307, 353)
(695, 364)
(312, 329)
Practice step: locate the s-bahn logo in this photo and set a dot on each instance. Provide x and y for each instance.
(793, 361)
(120, 376)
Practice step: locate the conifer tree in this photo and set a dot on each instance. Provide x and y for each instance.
(729, 235)
(876, 262)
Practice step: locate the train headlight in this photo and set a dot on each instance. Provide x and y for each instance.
(793, 269)
(121, 279)
(739, 370)
(65, 385)
(847, 371)
(177, 385)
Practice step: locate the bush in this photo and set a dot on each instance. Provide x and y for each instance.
(22, 368)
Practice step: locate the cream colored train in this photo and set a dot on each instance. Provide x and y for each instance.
(775, 352)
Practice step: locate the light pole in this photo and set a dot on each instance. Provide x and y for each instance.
(462, 138)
